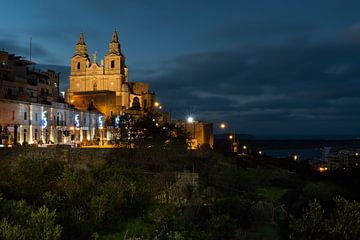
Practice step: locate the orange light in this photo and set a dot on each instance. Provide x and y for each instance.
(231, 137)
(323, 169)
(156, 104)
(72, 100)
(296, 157)
(222, 125)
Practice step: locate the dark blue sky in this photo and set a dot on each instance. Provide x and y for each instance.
(264, 67)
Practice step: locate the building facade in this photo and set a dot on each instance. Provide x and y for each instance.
(341, 159)
(106, 86)
(20, 80)
(55, 123)
(200, 133)
(32, 112)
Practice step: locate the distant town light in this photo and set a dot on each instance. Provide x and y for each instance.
(323, 169)
(296, 157)
(190, 119)
(156, 104)
(222, 125)
(260, 152)
(230, 136)
(356, 154)
(244, 147)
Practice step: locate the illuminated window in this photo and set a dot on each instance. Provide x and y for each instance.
(112, 64)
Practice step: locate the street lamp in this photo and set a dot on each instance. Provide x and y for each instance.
(190, 119)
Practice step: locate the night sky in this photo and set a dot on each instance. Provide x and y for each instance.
(267, 68)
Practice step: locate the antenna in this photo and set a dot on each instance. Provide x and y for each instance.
(30, 48)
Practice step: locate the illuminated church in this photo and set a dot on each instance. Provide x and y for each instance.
(106, 86)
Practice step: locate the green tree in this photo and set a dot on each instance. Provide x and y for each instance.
(310, 225)
(42, 225)
(20, 221)
(344, 221)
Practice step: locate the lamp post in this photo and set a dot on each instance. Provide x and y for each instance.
(190, 119)
(232, 138)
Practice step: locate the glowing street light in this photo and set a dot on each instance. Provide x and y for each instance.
(296, 157)
(222, 125)
(156, 104)
(231, 137)
(190, 119)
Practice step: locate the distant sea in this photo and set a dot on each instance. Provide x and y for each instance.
(307, 149)
(312, 154)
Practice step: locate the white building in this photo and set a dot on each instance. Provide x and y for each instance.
(42, 123)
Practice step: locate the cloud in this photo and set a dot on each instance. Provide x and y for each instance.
(296, 85)
(23, 49)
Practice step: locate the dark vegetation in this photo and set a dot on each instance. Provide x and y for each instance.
(248, 197)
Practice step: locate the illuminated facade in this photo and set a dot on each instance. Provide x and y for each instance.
(105, 86)
(46, 123)
(200, 134)
(31, 110)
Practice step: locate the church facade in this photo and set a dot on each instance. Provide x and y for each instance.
(106, 86)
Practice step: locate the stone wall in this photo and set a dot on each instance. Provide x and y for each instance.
(151, 160)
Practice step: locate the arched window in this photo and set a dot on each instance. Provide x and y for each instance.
(112, 63)
(135, 104)
(78, 65)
